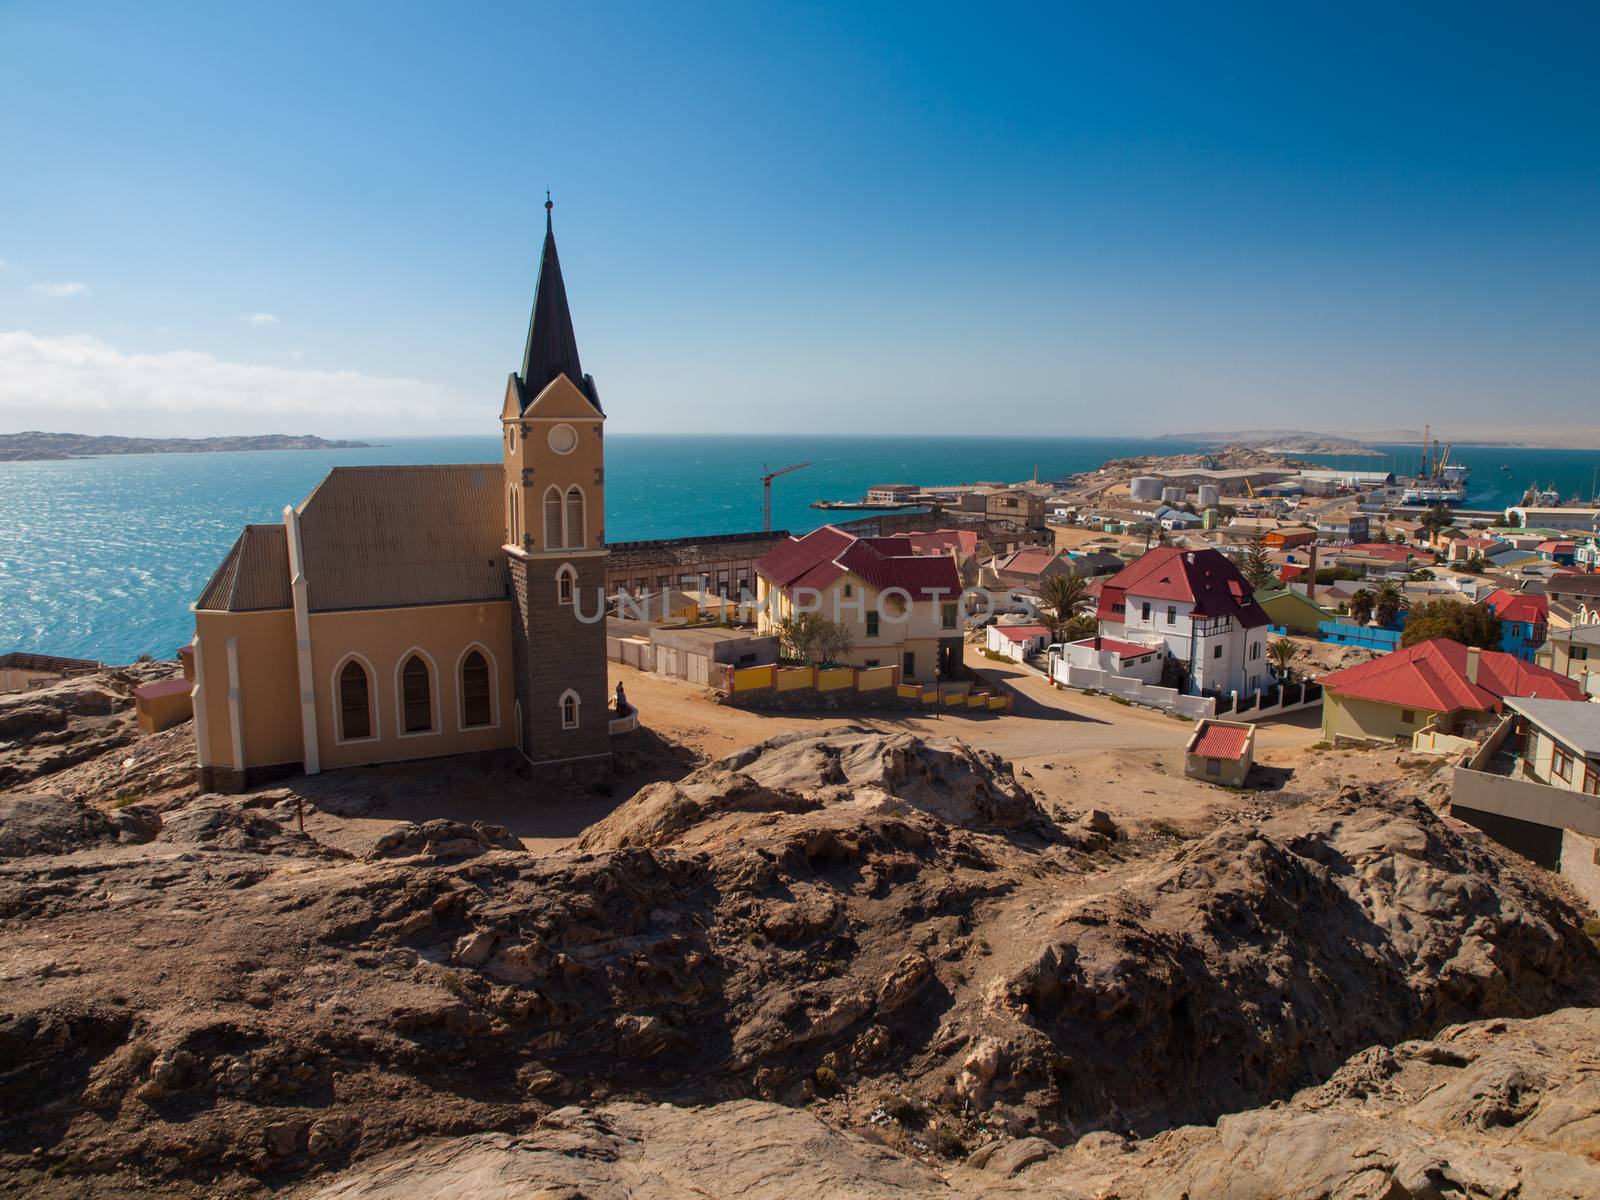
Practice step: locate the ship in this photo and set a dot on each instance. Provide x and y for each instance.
(1440, 481)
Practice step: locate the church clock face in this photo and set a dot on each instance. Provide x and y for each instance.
(563, 439)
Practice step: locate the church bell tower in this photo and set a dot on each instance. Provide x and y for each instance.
(552, 447)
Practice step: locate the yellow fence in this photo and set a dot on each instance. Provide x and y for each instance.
(833, 680)
(864, 679)
(873, 678)
(790, 678)
(748, 679)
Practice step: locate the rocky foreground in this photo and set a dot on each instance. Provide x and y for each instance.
(846, 964)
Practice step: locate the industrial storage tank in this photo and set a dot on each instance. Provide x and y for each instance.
(1209, 495)
(1145, 487)
(1172, 495)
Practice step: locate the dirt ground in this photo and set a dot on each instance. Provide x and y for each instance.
(1064, 744)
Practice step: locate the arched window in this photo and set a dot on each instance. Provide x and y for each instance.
(569, 709)
(416, 696)
(566, 584)
(574, 517)
(552, 518)
(477, 707)
(355, 703)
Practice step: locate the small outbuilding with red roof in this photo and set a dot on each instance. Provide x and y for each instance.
(1220, 752)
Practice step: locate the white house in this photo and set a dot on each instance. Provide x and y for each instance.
(1196, 605)
(1126, 659)
(1016, 642)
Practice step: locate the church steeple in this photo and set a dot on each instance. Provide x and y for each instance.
(552, 346)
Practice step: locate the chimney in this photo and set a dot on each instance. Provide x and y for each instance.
(1472, 664)
(1097, 643)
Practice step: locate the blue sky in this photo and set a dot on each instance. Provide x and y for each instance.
(325, 218)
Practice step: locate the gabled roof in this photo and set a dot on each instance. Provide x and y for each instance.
(1217, 739)
(391, 537)
(1518, 606)
(552, 347)
(254, 577)
(942, 541)
(1029, 560)
(1021, 633)
(824, 554)
(1432, 675)
(1205, 578)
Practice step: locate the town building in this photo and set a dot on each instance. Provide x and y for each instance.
(1565, 520)
(901, 608)
(1573, 652)
(1343, 525)
(1016, 642)
(1524, 621)
(1196, 605)
(1438, 685)
(407, 612)
(892, 493)
(1291, 611)
(723, 563)
(1560, 743)
(24, 672)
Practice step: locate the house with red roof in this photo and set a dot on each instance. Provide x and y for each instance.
(1524, 620)
(1027, 567)
(901, 608)
(1439, 683)
(1198, 607)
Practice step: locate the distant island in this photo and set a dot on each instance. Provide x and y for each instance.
(1279, 441)
(34, 446)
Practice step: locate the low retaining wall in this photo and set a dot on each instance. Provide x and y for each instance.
(798, 689)
(1135, 691)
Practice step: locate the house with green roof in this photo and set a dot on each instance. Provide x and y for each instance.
(1292, 611)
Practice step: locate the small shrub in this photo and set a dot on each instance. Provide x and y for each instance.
(1591, 926)
(903, 1109)
(755, 938)
(1168, 828)
(947, 1143)
(827, 1082)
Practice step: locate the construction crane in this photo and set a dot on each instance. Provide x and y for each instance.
(766, 492)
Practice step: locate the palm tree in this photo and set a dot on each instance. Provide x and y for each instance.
(1065, 596)
(1361, 606)
(1282, 652)
(1387, 600)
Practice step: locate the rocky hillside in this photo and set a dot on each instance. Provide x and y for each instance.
(825, 937)
(1493, 1109)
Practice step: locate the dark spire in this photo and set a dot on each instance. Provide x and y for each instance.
(552, 347)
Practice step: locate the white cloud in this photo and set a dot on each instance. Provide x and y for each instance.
(61, 291)
(258, 318)
(81, 384)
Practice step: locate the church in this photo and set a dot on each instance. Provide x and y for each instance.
(406, 612)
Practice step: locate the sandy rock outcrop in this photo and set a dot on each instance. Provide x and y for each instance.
(797, 772)
(1493, 1109)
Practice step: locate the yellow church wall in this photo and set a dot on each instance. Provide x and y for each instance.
(383, 639)
(533, 459)
(269, 720)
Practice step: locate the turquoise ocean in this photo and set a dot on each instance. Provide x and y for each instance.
(101, 557)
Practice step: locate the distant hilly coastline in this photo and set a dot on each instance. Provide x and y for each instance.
(34, 446)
